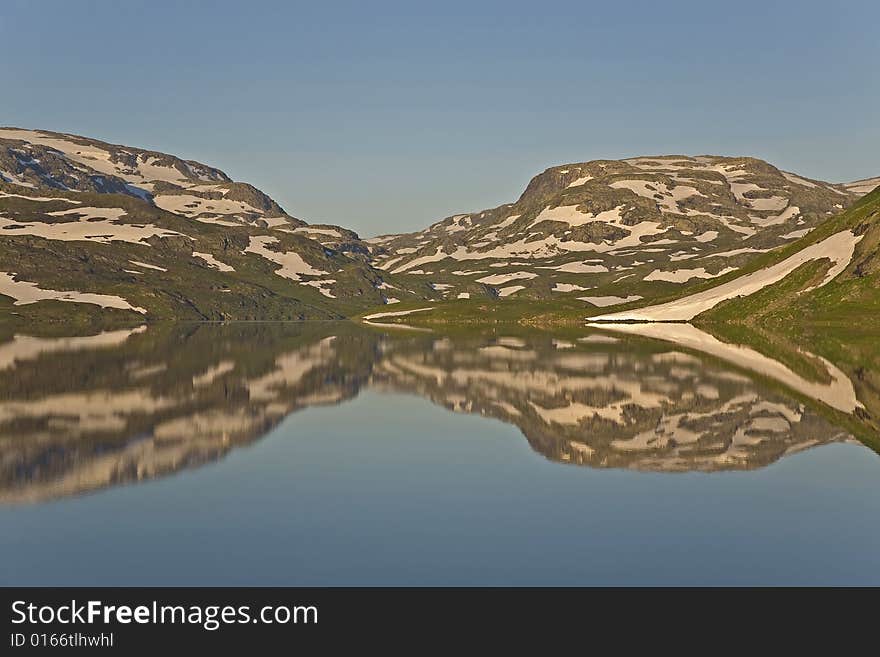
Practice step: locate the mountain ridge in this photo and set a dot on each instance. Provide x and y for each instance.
(132, 231)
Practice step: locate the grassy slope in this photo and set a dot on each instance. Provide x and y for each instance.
(854, 295)
(188, 289)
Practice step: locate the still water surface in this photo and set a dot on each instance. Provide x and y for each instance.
(323, 454)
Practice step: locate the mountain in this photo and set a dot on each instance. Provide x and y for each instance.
(90, 228)
(608, 232)
(94, 230)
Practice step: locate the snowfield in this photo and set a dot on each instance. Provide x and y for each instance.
(25, 292)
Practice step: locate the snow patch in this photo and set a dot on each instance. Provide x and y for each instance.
(580, 181)
(292, 263)
(568, 287)
(39, 199)
(99, 232)
(147, 266)
(507, 291)
(498, 279)
(25, 292)
(319, 284)
(650, 189)
(602, 302)
(569, 214)
(213, 262)
(684, 275)
(584, 267)
(399, 313)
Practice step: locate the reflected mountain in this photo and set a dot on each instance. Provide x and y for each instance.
(79, 414)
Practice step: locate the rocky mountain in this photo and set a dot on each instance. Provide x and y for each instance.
(83, 413)
(92, 228)
(610, 232)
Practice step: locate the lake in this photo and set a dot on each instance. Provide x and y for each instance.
(335, 454)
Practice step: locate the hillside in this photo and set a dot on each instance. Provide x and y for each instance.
(89, 228)
(851, 297)
(832, 273)
(607, 232)
(94, 230)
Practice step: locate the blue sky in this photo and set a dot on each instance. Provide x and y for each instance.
(387, 116)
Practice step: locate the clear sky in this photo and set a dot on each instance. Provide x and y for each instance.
(387, 116)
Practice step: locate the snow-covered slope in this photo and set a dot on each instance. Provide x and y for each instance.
(837, 249)
(844, 251)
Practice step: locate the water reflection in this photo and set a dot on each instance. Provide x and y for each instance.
(83, 413)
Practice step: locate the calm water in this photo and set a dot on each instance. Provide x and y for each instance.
(322, 454)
